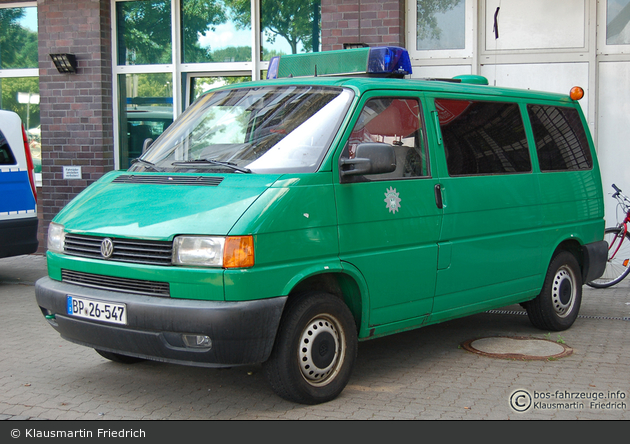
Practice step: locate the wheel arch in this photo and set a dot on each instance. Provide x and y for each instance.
(574, 247)
(341, 283)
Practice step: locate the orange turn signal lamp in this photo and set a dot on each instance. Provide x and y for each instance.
(238, 252)
(576, 93)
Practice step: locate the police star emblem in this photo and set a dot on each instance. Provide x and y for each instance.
(392, 200)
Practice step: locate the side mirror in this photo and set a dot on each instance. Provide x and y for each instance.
(371, 158)
(146, 144)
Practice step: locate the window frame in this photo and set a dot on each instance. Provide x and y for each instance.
(177, 68)
(22, 72)
(470, 36)
(603, 48)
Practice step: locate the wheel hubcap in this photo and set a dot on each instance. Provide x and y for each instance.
(563, 292)
(320, 350)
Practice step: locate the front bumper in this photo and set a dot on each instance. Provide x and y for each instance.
(241, 332)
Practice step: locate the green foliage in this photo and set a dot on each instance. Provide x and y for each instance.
(560, 340)
(18, 45)
(233, 54)
(297, 21)
(427, 27)
(201, 17)
(10, 87)
(144, 32)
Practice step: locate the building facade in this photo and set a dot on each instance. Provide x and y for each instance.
(140, 63)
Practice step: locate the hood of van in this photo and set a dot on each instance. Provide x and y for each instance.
(160, 206)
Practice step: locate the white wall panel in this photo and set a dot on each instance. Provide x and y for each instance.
(614, 130)
(551, 77)
(535, 24)
(439, 72)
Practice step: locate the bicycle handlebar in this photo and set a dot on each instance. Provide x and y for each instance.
(617, 190)
(622, 199)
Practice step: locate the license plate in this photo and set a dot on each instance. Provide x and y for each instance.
(97, 310)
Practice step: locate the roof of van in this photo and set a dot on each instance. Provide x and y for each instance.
(364, 84)
(364, 68)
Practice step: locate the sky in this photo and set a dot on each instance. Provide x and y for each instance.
(29, 20)
(226, 35)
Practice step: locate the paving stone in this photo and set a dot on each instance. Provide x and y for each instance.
(423, 374)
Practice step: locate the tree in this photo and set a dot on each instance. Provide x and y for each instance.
(200, 17)
(144, 30)
(18, 45)
(427, 26)
(297, 21)
(10, 88)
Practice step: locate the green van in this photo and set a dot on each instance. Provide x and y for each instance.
(282, 221)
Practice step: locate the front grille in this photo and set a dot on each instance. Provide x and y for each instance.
(123, 285)
(125, 250)
(160, 179)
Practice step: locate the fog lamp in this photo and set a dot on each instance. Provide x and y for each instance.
(197, 341)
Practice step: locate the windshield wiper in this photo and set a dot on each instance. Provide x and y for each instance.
(149, 164)
(201, 162)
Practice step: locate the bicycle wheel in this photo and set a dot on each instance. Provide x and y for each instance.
(618, 267)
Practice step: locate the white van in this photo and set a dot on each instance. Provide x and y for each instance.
(18, 196)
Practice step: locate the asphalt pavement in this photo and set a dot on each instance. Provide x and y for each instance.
(426, 374)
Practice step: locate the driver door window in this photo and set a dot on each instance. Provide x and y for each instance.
(397, 122)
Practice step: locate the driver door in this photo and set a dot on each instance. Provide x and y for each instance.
(389, 224)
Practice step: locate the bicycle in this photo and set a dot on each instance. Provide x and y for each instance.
(618, 238)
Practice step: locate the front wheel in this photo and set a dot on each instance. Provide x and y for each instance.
(618, 266)
(558, 304)
(315, 349)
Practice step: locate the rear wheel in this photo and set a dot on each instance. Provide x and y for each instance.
(618, 267)
(116, 357)
(556, 307)
(315, 350)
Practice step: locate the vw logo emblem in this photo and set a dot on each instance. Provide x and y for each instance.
(107, 248)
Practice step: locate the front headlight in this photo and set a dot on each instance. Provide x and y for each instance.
(56, 237)
(214, 251)
(200, 251)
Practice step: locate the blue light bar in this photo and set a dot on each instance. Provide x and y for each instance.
(380, 61)
(272, 71)
(389, 60)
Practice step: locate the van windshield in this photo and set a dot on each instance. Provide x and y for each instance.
(270, 129)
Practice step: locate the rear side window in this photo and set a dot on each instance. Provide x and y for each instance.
(561, 141)
(6, 156)
(483, 137)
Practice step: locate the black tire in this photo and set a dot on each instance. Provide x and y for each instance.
(313, 322)
(618, 268)
(557, 306)
(116, 357)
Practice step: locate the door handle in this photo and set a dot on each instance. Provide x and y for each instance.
(438, 196)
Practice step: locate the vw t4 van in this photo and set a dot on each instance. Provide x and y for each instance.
(282, 221)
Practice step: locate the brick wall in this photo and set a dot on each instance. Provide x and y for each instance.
(75, 109)
(374, 22)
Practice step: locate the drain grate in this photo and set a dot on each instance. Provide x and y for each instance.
(603, 318)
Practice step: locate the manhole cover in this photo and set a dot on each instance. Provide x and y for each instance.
(515, 347)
